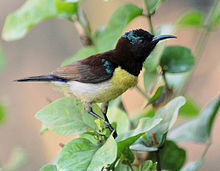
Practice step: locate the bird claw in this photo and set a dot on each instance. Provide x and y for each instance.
(108, 125)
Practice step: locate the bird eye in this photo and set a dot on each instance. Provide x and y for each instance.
(140, 41)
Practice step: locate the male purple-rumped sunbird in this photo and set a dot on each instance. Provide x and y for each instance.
(102, 77)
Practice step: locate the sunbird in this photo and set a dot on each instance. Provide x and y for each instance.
(102, 77)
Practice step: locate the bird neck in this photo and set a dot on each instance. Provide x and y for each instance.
(124, 57)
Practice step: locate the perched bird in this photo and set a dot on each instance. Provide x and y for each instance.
(102, 77)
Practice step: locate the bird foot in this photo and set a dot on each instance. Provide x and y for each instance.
(111, 129)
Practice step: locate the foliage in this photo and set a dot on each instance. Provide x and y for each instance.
(176, 59)
(2, 59)
(34, 11)
(95, 148)
(176, 159)
(198, 129)
(2, 113)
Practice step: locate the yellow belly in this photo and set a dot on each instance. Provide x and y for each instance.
(100, 92)
(120, 82)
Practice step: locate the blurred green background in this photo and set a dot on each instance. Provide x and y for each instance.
(52, 41)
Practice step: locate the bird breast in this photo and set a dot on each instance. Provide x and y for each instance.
(103, 91)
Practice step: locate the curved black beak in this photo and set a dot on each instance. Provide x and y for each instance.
(156, 39)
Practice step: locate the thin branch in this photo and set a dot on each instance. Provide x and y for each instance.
(82, 25)
(157, 153)
(130, 167)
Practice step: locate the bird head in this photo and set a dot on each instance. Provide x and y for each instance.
(139, 43)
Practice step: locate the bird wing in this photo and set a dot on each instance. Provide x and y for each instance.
(94, 69)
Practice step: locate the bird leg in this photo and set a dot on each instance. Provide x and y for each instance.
(88, 107)
(104, 108)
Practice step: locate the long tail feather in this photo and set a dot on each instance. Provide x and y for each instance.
(46, 78)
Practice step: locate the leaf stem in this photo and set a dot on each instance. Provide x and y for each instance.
(206, 148)
(149, 15)
(150, 24)
(142, 92)
(165, 80)
(130, 167)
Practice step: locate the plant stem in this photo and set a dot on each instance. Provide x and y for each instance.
(206, 30)
(150, 23)
(149, 15)
(165, 80)
(83, 28)
(142, 92)
(157, 153)
(202, 40)
(130, 167)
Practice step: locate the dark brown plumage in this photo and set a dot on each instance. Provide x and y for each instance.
(89, 70)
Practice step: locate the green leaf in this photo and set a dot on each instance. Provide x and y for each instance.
(153, 60)
(66, 116)
(192, 18)
(80, 154)
(121, 118)
(141, 145)
(156, 95)
(144, 125)
(169, 114)
(150, 79)
(127, 157)
(172, 157)
(107, 38)
(76, 155)
(148, 166)
(198, 129)
(194, 166)
(190, 108)
(124, 140)
(104, 155)
(90, 136)
(125, 167)
(49, 167)
(176, 59)
(33, 12)
(215, 18)
(117, 103)
(2, 59)
(81, 54)
(152, 5)
(2, 113)
(148, 112)
(177, 80)
(122, 167)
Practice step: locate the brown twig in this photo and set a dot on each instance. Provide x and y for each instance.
(157, 153)
(61, 145)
